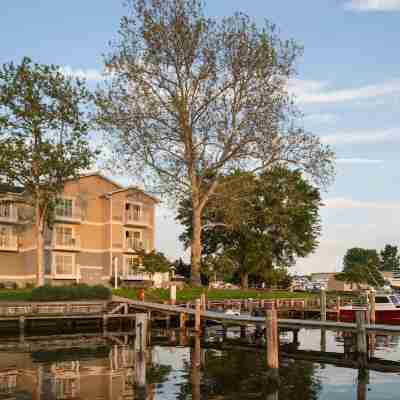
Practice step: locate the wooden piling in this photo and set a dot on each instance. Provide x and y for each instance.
(361, 338)
(182, 320)
(338, 309)
(323, 304)
(22, 325)
(197, 317)
(272, 339)
(172, 294)
(141, 332)
(372, 306)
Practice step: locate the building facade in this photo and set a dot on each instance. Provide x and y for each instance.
(97, 224)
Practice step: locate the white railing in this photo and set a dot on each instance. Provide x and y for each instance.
(8, 212)
(66, 242)
(74, 216)
(133, 244)
(8, 242)
(137, 276)
(132, 218)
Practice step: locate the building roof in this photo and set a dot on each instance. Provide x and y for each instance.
(100, 175)
(132, 188)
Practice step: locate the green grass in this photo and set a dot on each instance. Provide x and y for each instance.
(15, 295)
(189, 294)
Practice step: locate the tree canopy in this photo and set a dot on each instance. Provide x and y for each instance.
(257, 222)
(390, 259)
(44, 126)
(361, 266)
(192, 98)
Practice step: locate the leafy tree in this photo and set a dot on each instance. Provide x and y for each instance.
(43, 136)
(360, 266)
(390, 259)
(256, 222)
(191, 98)
(154, 261)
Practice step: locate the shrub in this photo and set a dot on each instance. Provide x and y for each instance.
(71, 293)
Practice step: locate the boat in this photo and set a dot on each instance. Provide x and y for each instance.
(387, 310)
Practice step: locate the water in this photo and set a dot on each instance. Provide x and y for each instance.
(95, 367)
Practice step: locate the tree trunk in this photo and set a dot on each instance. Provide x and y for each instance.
(196, 249)
(39, 247)
(244, 280)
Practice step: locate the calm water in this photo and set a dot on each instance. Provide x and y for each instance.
(177, 367)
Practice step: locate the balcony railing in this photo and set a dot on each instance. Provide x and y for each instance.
(8, 243)
(137, 276)
(66, 243)
(74, 216)
(132, 218)
(133, 244)
(8, 213)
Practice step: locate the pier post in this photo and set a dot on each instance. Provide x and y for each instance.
(363, 380)
(203, 302)
(21, 326)
(182, 320)
(338, 309)
(372, 307)
(361, 338)
(323, 340)
(323, 304)
(242, 331)
(272, 340)
(172, 294)
(141, 332)
(197, 316)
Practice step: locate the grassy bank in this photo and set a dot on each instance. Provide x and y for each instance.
(189, 294)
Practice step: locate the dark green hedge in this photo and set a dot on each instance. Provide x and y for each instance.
(70, 293)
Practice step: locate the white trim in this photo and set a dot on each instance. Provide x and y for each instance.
(89, 267)
(54, 266)
(16, 277)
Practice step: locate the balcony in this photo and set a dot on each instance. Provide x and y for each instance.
(74, 216)
(133, 245)
(8, 243)
(135, 219)
(67, 243)
(8, 213)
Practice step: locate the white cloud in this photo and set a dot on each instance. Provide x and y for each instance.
(357, 161)
(348, 203)
(319, 92)
(362, 137)
(87, 74)
(320, 118)
(373, 5)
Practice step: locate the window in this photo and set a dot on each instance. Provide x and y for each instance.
(133, 212)
(64, 236)
(5, 209)
(131, 264)
(64, 208)
(133, 240)
(64, 264)
(382, 299)
(6, 236)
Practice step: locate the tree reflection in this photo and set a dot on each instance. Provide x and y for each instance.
(240, 374)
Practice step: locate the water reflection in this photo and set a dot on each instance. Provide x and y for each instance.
(181, 365)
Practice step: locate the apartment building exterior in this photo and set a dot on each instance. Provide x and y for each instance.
(98, 224)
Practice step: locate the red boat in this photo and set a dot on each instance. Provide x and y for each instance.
(387, 308)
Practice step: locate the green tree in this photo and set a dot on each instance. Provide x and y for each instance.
(43, 136)
(254, 223)
(361, 266)
(193, 97)
(390, 259)
(154, 261)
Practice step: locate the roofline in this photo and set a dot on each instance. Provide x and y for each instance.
(155, 199)
(100, 175)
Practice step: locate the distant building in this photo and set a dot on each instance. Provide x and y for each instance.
(329, 282)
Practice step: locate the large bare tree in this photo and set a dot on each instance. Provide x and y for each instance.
(190, 98)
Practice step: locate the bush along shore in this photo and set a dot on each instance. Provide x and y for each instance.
(80, 292)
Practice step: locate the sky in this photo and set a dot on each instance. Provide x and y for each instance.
(347, 86)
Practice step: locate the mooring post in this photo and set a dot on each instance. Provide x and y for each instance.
(323, 304)
(362, 384)
(182, 320)
(338, 308)
(197, 316)
(22, 325)
(361, 338)
(272, 340)
(141, 332)
(323, 340)
(203, 302)
(372, 306)
(172, 294)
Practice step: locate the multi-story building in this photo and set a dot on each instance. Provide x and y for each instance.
(97, 224)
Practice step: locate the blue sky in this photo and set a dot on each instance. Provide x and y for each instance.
(348, 87)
